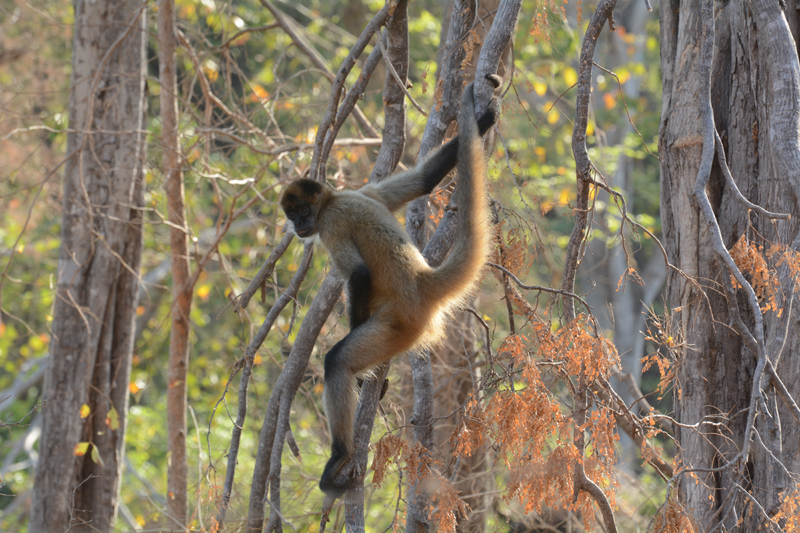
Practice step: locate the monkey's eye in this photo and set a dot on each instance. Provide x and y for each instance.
(304, 211)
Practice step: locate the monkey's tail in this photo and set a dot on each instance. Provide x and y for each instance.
(461, 269)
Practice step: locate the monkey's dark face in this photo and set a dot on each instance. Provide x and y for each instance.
(301, 203)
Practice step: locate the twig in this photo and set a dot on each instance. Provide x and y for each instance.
(541, 288)
(264, 272)
(244, 31)
(388, 62)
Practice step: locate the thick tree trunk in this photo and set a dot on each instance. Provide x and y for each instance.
(716, 368)
(101, 234)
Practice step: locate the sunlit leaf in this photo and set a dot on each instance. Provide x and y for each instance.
(112, 418)
(570, 76)
(80, 449)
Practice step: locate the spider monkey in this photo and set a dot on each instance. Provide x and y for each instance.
(396, 301)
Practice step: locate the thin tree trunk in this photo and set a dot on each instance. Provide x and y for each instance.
(181, 288)
(97, 289)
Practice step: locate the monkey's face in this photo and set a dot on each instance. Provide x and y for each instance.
(304, 221)
(301, 203)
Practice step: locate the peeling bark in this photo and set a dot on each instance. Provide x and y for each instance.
(97, 287)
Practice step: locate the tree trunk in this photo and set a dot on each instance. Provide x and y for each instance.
(755, 96)
(181, 285)
(96, 292)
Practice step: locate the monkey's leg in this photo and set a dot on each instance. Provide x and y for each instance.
(359, 294)
(370, 344)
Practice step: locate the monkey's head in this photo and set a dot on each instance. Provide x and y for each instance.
(301, 202)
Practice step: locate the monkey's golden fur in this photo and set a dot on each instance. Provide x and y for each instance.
(398, 302)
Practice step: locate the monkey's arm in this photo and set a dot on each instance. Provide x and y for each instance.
(403, 187)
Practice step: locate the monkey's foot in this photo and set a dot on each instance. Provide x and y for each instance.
(329, 484)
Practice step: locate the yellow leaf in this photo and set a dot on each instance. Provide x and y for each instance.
(540, 153)
(80, 449)
(570, 76)
(133, 387)
(85, 410)
(112, 418)
(259, 93)
(590, 128)
(563, 197)
(552, 116)
(211, 69)
(257, 360)
(203, 291)
(36, 343)
(539, 88)
(609, 101)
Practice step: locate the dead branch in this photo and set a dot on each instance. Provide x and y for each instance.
(583, 169)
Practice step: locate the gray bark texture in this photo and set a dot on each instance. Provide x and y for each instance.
(97, 289)
(755, 96)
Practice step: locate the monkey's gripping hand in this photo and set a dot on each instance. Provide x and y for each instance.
(492, 113)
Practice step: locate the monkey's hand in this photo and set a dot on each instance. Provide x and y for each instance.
(492, 113)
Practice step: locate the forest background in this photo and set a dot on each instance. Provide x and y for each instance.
(527, 393)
